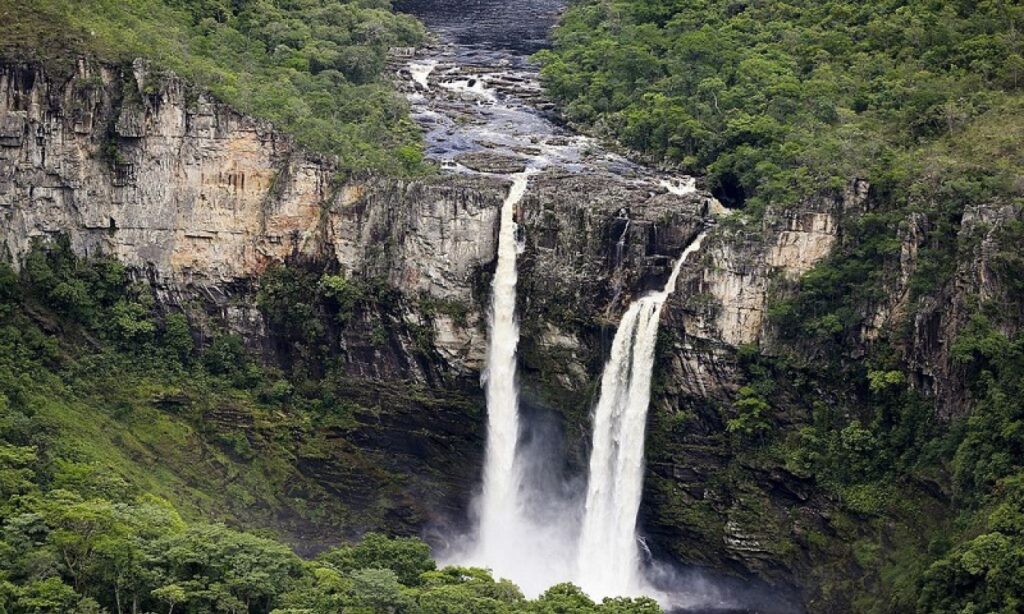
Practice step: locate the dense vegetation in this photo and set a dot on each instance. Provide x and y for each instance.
(777, 101)
(931, 511)
(95, 443)
(111, 406)
(313, 67)
(784, 102)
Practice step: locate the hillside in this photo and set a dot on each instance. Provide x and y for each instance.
(108, 414)
(243, 324)
(900, 351)
(315, 69)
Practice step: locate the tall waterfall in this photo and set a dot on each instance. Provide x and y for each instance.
(501, 513)
(608, 560)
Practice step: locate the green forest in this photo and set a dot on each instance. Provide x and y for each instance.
(778, 101)
(781, 103)
(102, 426)
(315, 69)
(150, 458)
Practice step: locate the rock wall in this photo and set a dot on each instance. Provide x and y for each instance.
(130, 165)
(136, 164)
(937, 320)
(200, 200)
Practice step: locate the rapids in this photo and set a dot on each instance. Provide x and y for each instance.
(479, 101)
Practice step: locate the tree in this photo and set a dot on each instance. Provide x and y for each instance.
(225, 356)
(222, 568)
(171, 594)
(563, 598)
(458, 599)
(378, 590)
(625, 605)
(45, 596)
(408, 557)
(78, 530)
(751, 421)
(457, 588)
(16, 474)
(177, 336)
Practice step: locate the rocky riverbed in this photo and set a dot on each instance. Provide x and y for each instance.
(479, 99)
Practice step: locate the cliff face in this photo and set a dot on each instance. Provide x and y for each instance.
(127, 164)
(937, 322)
(136, 164)
(199, 200)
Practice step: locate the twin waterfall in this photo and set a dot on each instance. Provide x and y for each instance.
(598, 551)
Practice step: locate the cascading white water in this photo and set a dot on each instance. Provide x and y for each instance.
(608, 560)
(680, 187)
(499, 506)
(420, 72)
(516, 537)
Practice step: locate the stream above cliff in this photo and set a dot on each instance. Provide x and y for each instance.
(515, 28)
(479, 100)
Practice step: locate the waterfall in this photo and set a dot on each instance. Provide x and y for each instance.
(608, 559)
(620, 245)
(501, 513)
(520, 534)
(420, 72)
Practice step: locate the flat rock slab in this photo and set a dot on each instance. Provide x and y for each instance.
(486, 162)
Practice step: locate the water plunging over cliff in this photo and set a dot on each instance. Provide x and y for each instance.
(500, 509)
(480, 104)
(511, 539)
(608, 562)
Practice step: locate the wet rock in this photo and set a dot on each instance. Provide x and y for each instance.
(486, 162)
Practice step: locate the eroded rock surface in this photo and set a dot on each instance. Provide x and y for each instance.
(199, 200)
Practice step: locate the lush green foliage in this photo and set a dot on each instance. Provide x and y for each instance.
(780, 102)
(83, 547)
(313, 67)
(982, 572)
(938, 506)
(777, 101)
(88, 471)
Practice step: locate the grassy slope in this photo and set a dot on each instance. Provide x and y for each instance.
(316, 69)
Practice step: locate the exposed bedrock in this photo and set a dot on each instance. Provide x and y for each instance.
(199, 200)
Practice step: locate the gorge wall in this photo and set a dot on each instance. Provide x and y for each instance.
(200, 200)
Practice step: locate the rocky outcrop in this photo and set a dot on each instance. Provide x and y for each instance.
(740, 263)
(136, 165)
(200, 200)
(939, 319)
(130, 165)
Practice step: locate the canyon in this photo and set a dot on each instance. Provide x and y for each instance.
(200, 200)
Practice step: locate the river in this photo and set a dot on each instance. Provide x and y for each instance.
(479, 100)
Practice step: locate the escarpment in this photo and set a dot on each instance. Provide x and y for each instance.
(199, 201)
(137, 164)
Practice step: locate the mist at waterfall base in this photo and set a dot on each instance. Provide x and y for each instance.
(534, 524)
(519, 534)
